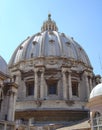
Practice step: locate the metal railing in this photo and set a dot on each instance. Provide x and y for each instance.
(97, 123)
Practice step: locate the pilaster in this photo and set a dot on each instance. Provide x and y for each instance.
(36, 83)
(65, 90)
(69, 85)
(12, 100)
(87, 84)
(90, 81)
(10, 107)
(42, 84)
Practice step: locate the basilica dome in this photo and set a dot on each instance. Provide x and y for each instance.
(3, 66)
(49, 43)
(97, 91)
(54, 76)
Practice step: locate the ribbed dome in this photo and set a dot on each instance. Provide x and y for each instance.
(49, 43)
(3, 66)
(97, 91)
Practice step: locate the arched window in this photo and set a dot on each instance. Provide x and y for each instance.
(30, 88)
(75, 88)
(52, 87)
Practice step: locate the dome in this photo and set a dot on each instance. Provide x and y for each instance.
(3, 66)
(49, 43)
(97, 91)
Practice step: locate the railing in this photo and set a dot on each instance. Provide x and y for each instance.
(6, 125)
(24, 122)
(97, 123)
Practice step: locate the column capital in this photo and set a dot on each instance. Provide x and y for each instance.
(85, 73)
(36, 70)
(42, 70)
(91, 75)
(10, 92)
(64, 70)
(69, 71)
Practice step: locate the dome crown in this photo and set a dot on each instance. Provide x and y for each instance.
(49, 25)
(97, 91)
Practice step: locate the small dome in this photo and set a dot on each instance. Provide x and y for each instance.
(3, 66)
(97, 91)
(49, 43)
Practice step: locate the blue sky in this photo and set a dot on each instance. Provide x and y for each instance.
(81, 19)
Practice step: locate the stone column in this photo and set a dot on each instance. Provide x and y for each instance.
(11, 106)
(36, 84)
(69, 85)
(17, 77)
(91, 120)
(29, 123)
(90, 83)
(79, 88)
(42, 85)
(14, 105)
(87, 84)
(5, 126)
(65, 94)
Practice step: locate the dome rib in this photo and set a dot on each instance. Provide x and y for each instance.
(74, 47)
(26, 52)
(59, 43)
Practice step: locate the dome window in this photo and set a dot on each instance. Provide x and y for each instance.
(34, 42)
(38, 34)
(52, 87)
(80, 49)
(29, 88)
(75, 89)
(68, 43)
(31, 55)
(51, 41)
(21, 47)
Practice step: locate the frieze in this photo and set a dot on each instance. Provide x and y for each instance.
(52, 62)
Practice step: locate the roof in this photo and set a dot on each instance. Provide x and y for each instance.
(96, 91)
(3, 66)
(81, 125)
(49, 43)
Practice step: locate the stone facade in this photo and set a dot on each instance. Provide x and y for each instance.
(54, 78)
(54, 83)
(8, 91)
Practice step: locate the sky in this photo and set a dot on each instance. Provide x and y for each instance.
(80, 19)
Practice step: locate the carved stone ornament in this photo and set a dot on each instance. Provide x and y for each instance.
(69, 102)
(52, 62)
(38, 102)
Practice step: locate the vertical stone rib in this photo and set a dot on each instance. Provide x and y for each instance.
(91, 83)
(87, 84)
(42, 85)
(64, 84)
(36, 84)
(69, 85)
(10, 107)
